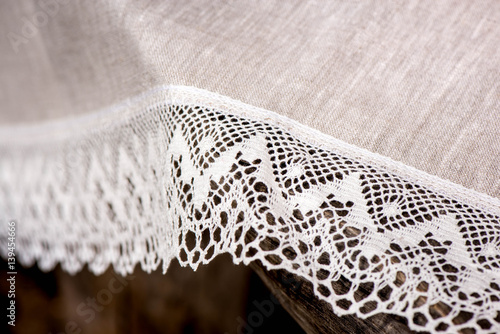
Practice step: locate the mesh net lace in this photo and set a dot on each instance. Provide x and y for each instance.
(187, 174)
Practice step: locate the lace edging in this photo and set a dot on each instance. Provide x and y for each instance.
(183, 173)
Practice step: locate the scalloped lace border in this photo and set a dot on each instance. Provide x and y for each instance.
(180, 172)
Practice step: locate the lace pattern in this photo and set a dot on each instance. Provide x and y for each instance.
(187, 174)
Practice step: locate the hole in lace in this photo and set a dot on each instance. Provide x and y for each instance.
(419, 319)
(342, 286)
(462, 318)
(190, 240)
(421, 300)
(363, 291)
(368, 307)
(484, 324)
(289, 253)
(384, 294)
(344, 304)
(324, 258)
(273, 259)
(400, 279)
(205, 238)
(269, 244)
(322, 274)
(250, 236)
(323, 290)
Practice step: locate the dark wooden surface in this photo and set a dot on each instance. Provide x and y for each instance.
(182, 301)
(218, 298)
(296, 295)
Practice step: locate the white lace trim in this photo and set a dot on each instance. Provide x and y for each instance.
(183, 173)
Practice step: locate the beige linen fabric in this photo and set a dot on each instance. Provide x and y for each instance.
(417, 81)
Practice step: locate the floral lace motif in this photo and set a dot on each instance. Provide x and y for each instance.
(188, 174)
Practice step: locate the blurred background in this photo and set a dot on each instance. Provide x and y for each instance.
(217, 298)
